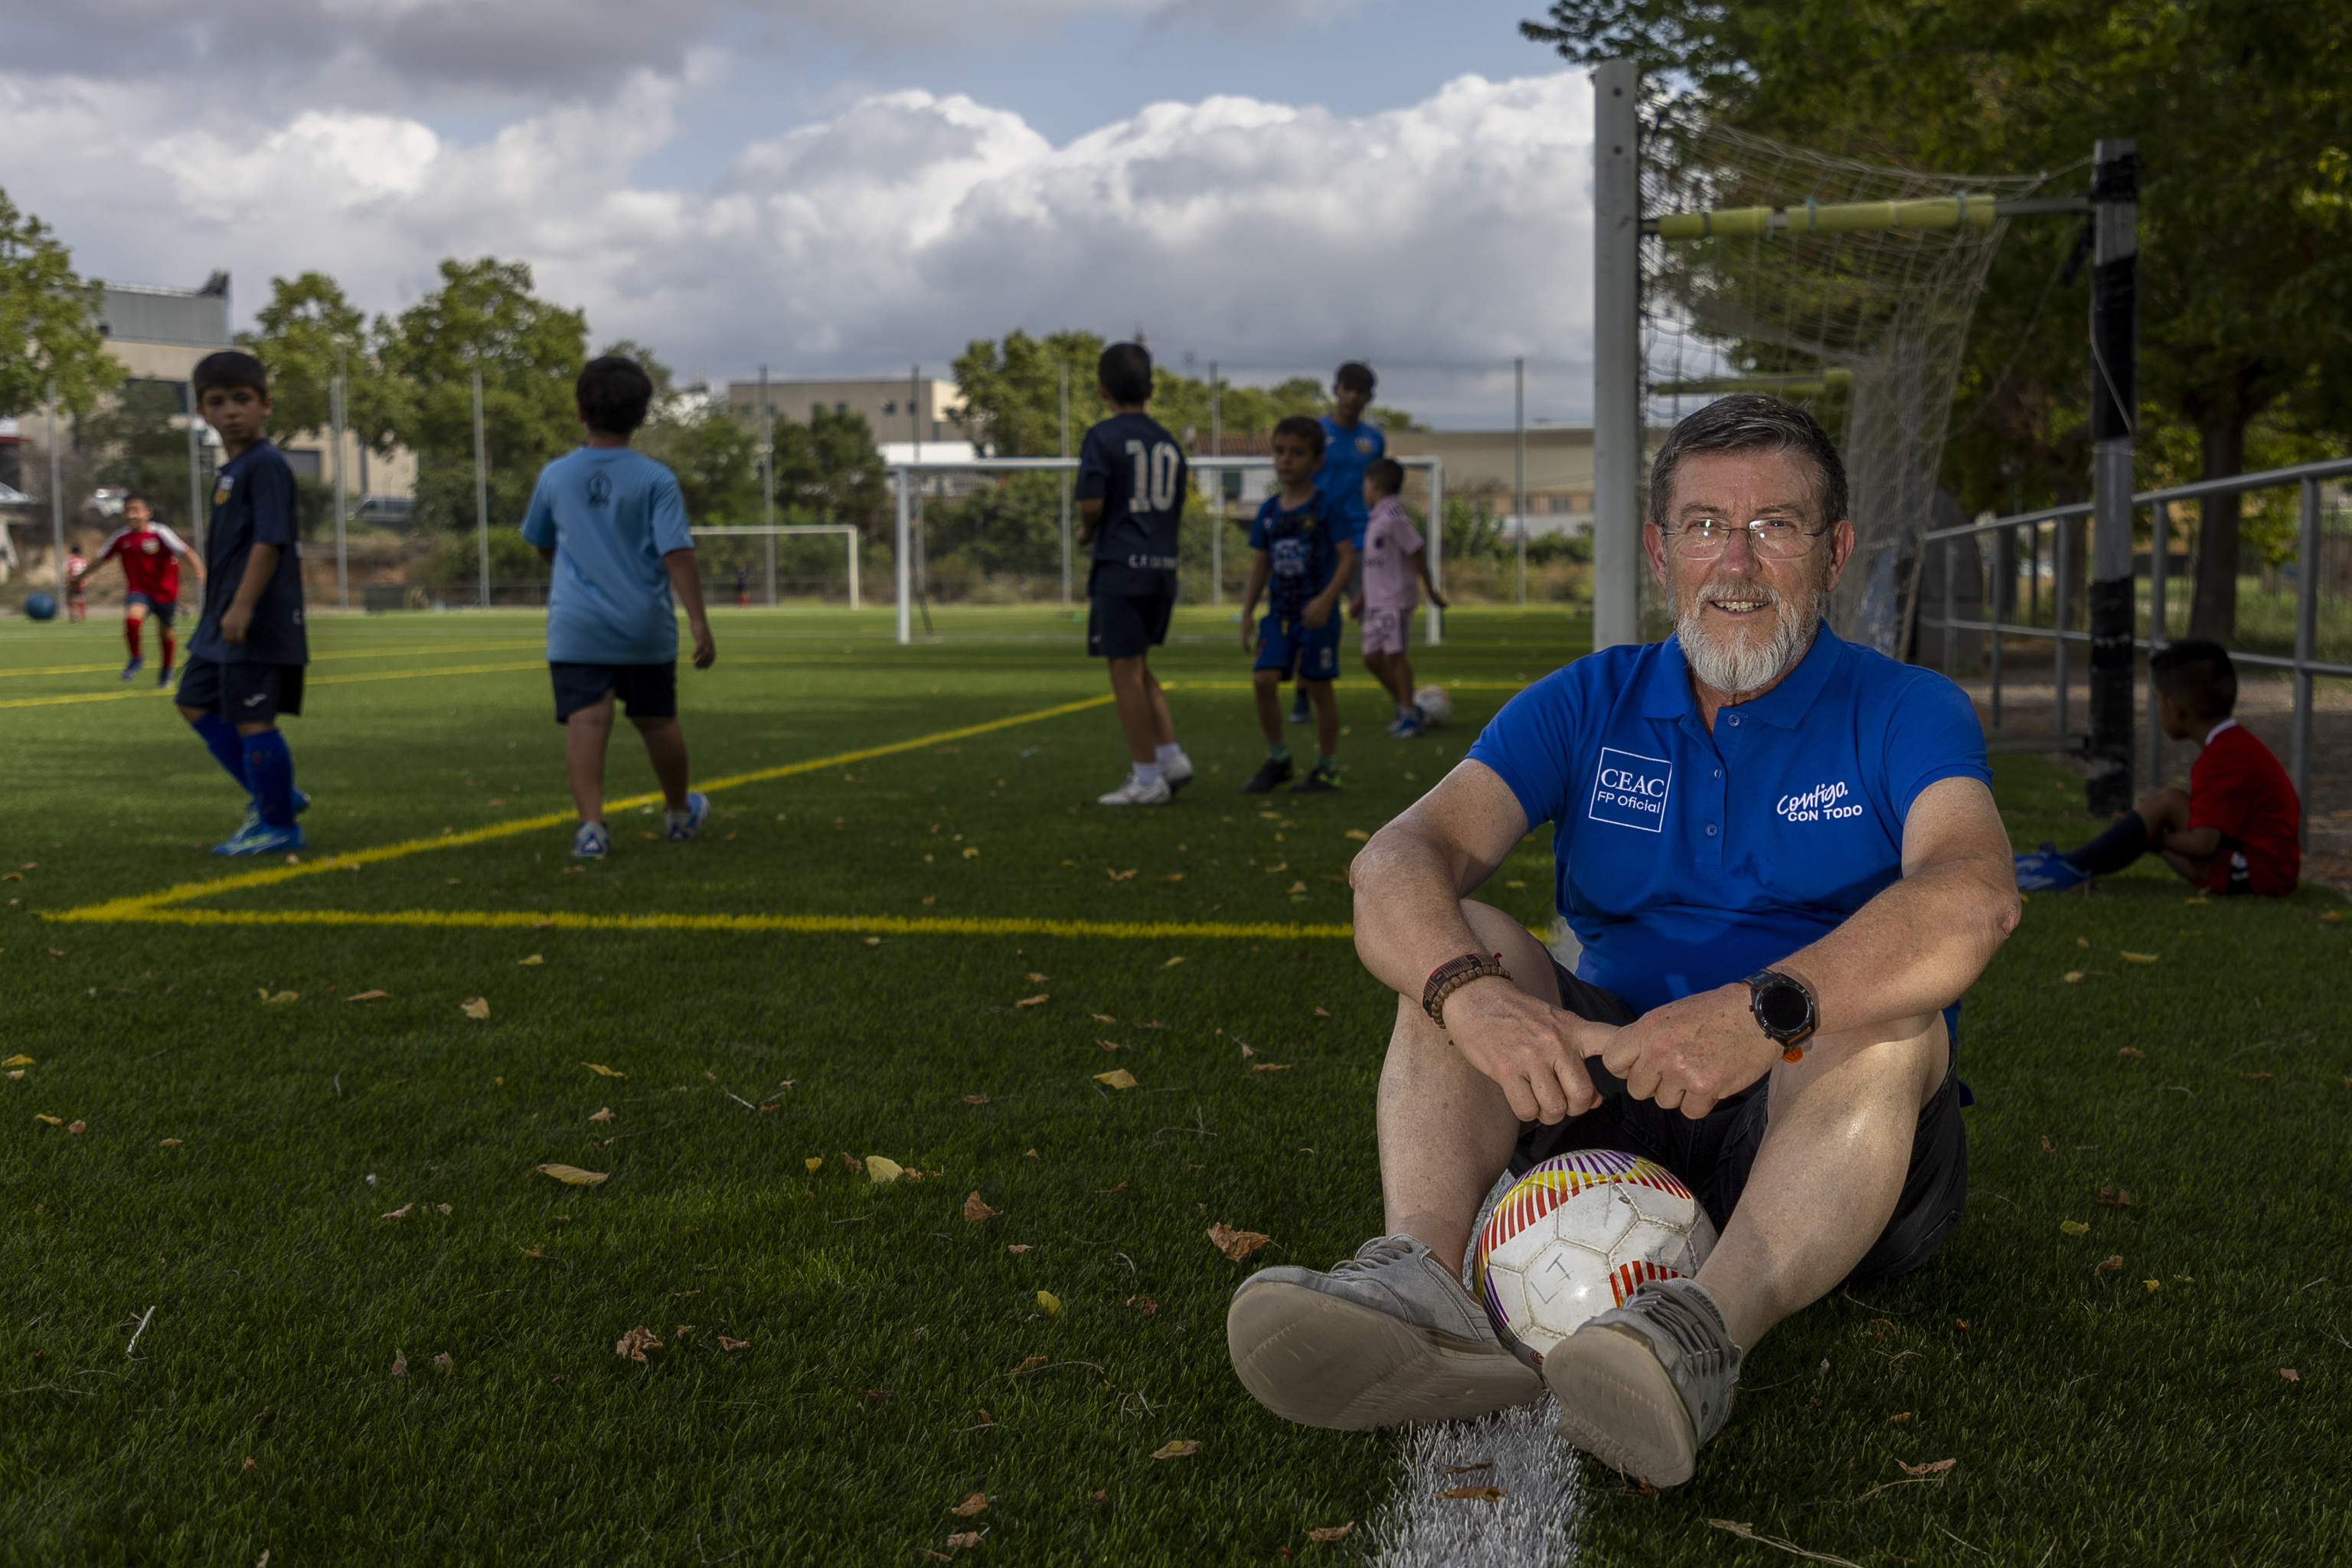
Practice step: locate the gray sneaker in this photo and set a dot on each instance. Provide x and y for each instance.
(1386, 1338)
(1643, 1386)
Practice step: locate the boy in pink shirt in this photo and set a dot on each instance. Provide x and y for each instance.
(1395, 568)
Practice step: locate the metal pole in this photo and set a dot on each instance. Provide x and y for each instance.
(342, 503)
(2062, 583)
(905, 565)
(481, 492)
(56, 504)
(2306, 648)
(195, 471)
(768, 479)
(915, 407)
(1616, 355)
(852, 533)
(2114, 406)
(1217, 510)
(1951, 639)
(1519, 464)
(2005, 587)
(1436, 619)
(2158, 566)
(1062, 379)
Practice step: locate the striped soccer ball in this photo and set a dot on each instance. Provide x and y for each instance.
(1436, 705)
(1575, 1237)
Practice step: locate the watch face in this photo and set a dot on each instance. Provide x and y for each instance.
(1782, 1005)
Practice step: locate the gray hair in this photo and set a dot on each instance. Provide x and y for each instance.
(1749, 422)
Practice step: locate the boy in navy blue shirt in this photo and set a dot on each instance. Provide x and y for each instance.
(1132, 481)
(1352, 445)
(1305, 558)
(613, 524)
(246, 660)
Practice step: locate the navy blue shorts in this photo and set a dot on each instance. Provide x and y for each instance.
(649, 690)
(1123, 626)
(1714, 1154)
(241, 693)
(1292, 647)
(157, 609)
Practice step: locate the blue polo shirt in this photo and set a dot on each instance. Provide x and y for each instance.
(1347, 453)
(1688, 860)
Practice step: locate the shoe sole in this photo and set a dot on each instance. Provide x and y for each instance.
(1175, 784)
(1617, 1404)
(1324, 1361)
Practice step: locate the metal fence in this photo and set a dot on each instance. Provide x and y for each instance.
(905, 479)
(2304, 663)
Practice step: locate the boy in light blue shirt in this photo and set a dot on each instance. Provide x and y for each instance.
(613, 524)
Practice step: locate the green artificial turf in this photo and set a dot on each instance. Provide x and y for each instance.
(2094, 1421)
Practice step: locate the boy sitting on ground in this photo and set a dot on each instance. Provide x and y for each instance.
(613, 524)
(2237, 829)
(1305, 558)
(1395, 568)
(1132, 481)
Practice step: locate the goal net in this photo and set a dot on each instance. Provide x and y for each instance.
(1841, 286)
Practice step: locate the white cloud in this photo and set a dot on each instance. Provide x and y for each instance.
(1447, 234)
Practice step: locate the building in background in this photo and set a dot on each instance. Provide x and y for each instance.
(902, 410)
(1483, 462)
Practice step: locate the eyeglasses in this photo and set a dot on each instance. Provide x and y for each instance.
(1768, 538)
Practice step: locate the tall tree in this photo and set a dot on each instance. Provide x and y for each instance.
(2242, 115)
(484, 316)
(307, 334)
(48, 320)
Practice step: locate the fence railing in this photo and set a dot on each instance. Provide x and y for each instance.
(901, 479)
(2304, 663)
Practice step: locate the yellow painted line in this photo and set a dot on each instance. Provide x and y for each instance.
(307, 681)
(137, 906)
(410, 650)
(1449, 685)
(854, 925)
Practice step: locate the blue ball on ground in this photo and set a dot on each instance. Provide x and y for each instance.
(41, 606)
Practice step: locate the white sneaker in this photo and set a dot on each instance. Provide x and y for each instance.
(1131, 793)
(592, 842)
(1178, 773)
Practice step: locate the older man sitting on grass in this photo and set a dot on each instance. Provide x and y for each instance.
(1781, 856)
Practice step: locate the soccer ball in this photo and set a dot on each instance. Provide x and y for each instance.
(40, 606)
(1436, 707)
(1575, 1237)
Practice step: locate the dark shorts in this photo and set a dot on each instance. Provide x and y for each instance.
(2233, 874)
(157, 609)
(650, 690)
(1294, 648)
(1124, 626)
(241, 693)
(1714, 1154)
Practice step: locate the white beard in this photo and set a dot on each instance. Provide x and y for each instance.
(1733, 665)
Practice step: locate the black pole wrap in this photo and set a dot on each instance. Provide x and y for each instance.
(2114, 407)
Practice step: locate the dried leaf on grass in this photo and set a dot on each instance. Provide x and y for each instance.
(976, 1211)
(1117, 1078)
(881, 1170)
(19, 1060)
(1143, 1304)
(400, 1213)
(369, 996)
(1018, 1247)
(474, 1006)
(168, 1143)
(1235, 1244)
(399, 1363)
(270, 1000)
(604, 1115)
(976, 1503)
(2142, 957)
(2109, 1264)
(1177, 1448)
(2073, 1228)
(1332, 1532)
(636, 1342)
(814, 1162)
(534, 958)
(2289, 1373)
(1049, 1304)
(76, 1126)
(2115, 1197)
(1173, 962)
(1033, 1001)
(1322, 1012)
(726, 1344)
(969, 1537)
(600, 1070)
(1357, 833)
(444, 1362)
(975, 1099)
(1271, 1067)
(1473, 1494)
(572, 1175)
(2133, 1052)
(1932, 1468)
(52, 1120)
(2072, 977)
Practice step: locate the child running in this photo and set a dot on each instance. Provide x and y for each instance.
(613, 524)
(2239, 827)
(151, 573)
(1305, 558)
(1396, 568)
(246, 660)
(1132, 482)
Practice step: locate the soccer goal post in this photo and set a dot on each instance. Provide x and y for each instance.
(845, 531)
(906, 480)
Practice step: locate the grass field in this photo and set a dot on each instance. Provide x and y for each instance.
(909, 935)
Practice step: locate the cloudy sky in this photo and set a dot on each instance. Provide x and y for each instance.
(854, 185)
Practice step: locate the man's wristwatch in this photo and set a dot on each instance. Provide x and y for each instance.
(1453, 975)
(1784, 1009)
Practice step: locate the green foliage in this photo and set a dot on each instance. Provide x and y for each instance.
(308, 334)
(483, 317)
(716, 460)
(139, 444)
(828, 470)
(48, 321)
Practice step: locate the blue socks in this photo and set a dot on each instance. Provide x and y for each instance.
(227, 747)
(269, 769)
(2113, 850)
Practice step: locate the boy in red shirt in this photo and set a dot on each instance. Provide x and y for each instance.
(2237, 829)
(151, 573)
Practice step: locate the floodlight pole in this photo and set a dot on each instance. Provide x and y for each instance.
(2114, 406)
(196, 471)
(1616, 355)
(767, 480)
(481, 493)
(58, 505)
(1062, 379)
(1519, 464)
(342, 547)
(1217, 510)
(905, 568)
